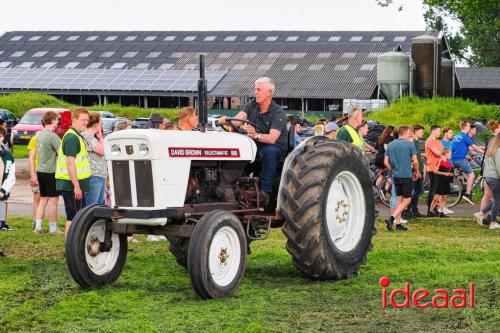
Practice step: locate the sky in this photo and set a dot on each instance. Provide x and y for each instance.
(209, 15)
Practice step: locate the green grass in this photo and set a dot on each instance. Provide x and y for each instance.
(19, 103)
(154, 294)
(21, 151)
(446, 112)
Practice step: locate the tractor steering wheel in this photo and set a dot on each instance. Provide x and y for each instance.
(240, 130)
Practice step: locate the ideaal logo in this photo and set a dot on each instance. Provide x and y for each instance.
(422, 298)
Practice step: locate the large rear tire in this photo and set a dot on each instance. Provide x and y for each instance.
(329, 210)
(87, 264)
(217, 255)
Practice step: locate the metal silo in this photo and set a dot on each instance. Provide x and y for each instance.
(425, 54)
(446, 80)
(393, 74)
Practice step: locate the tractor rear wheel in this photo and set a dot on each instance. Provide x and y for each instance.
(328, 207)
(179, 248)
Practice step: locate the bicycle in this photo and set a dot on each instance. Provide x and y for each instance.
(456, 191)
(461, 179)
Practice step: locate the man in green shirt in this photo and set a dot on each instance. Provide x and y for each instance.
(73, 167)
(418, 184)
(349, 132)
(47, 145)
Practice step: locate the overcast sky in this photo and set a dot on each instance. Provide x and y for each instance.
(208, 15)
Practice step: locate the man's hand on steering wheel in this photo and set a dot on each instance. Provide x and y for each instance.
(246, 126)
(251, 132)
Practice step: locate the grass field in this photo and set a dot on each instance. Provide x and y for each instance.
(154, 294)
(21, 151)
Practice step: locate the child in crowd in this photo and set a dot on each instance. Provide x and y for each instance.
(444, 179)
(7, 179)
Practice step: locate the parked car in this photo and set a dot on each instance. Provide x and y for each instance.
(110, 124)
(141, 122)
(106, 114)
(213, 123)
(30, 124)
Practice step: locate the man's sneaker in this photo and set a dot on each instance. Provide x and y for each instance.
(6, 228)
(417, 214)
(448, 211)
(389, 223)
(494, 225)
(402, 220)
(56, 232)
(37, 231)
(479, 218)
(400, 227)
(443, 215)
(468, 198)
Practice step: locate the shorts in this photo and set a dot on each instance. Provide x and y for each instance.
(464, 166)
(404, 187)
(71, 205)
(47, 184)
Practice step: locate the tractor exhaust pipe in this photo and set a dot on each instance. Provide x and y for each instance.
(202, 96)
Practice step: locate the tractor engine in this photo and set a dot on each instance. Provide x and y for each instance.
(213, 181)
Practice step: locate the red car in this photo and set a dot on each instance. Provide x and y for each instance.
(30, 124)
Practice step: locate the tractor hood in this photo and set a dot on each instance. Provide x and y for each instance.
(158, 144)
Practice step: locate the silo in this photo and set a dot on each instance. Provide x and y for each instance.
(446, 78)
(425, 54)
(393, 73)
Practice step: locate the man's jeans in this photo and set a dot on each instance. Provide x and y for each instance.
(97, 190)
(270, 156)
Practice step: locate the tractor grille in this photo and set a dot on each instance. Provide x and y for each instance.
(121, 179)
(123, 184)
(144, 184)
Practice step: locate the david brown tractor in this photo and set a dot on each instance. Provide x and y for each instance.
(201, 190)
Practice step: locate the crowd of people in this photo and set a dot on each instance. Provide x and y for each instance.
(399, 154)
(75, 167)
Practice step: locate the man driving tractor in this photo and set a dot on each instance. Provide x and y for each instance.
(272, 141)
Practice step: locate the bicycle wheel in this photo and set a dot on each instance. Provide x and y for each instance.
(384, 192)
(455, 194)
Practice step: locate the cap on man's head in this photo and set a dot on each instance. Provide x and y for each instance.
(331, 126)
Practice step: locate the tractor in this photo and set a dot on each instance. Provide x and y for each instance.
(200, 189)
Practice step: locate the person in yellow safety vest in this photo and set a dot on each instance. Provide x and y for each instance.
(349, 132)
(73, 167)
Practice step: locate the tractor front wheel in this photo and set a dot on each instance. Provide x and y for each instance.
(87, 262)
(217, 255)
(178, 246)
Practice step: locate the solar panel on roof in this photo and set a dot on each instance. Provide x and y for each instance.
(105, 79)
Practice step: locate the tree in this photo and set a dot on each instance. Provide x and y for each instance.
(477, 40)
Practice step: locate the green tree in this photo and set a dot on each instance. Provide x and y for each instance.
(477, 40)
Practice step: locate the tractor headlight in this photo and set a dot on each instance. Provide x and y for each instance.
(116, 150)
(143, 149)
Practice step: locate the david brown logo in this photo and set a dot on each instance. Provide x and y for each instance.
(422, 298)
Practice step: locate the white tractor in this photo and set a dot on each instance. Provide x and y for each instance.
(201, 190)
